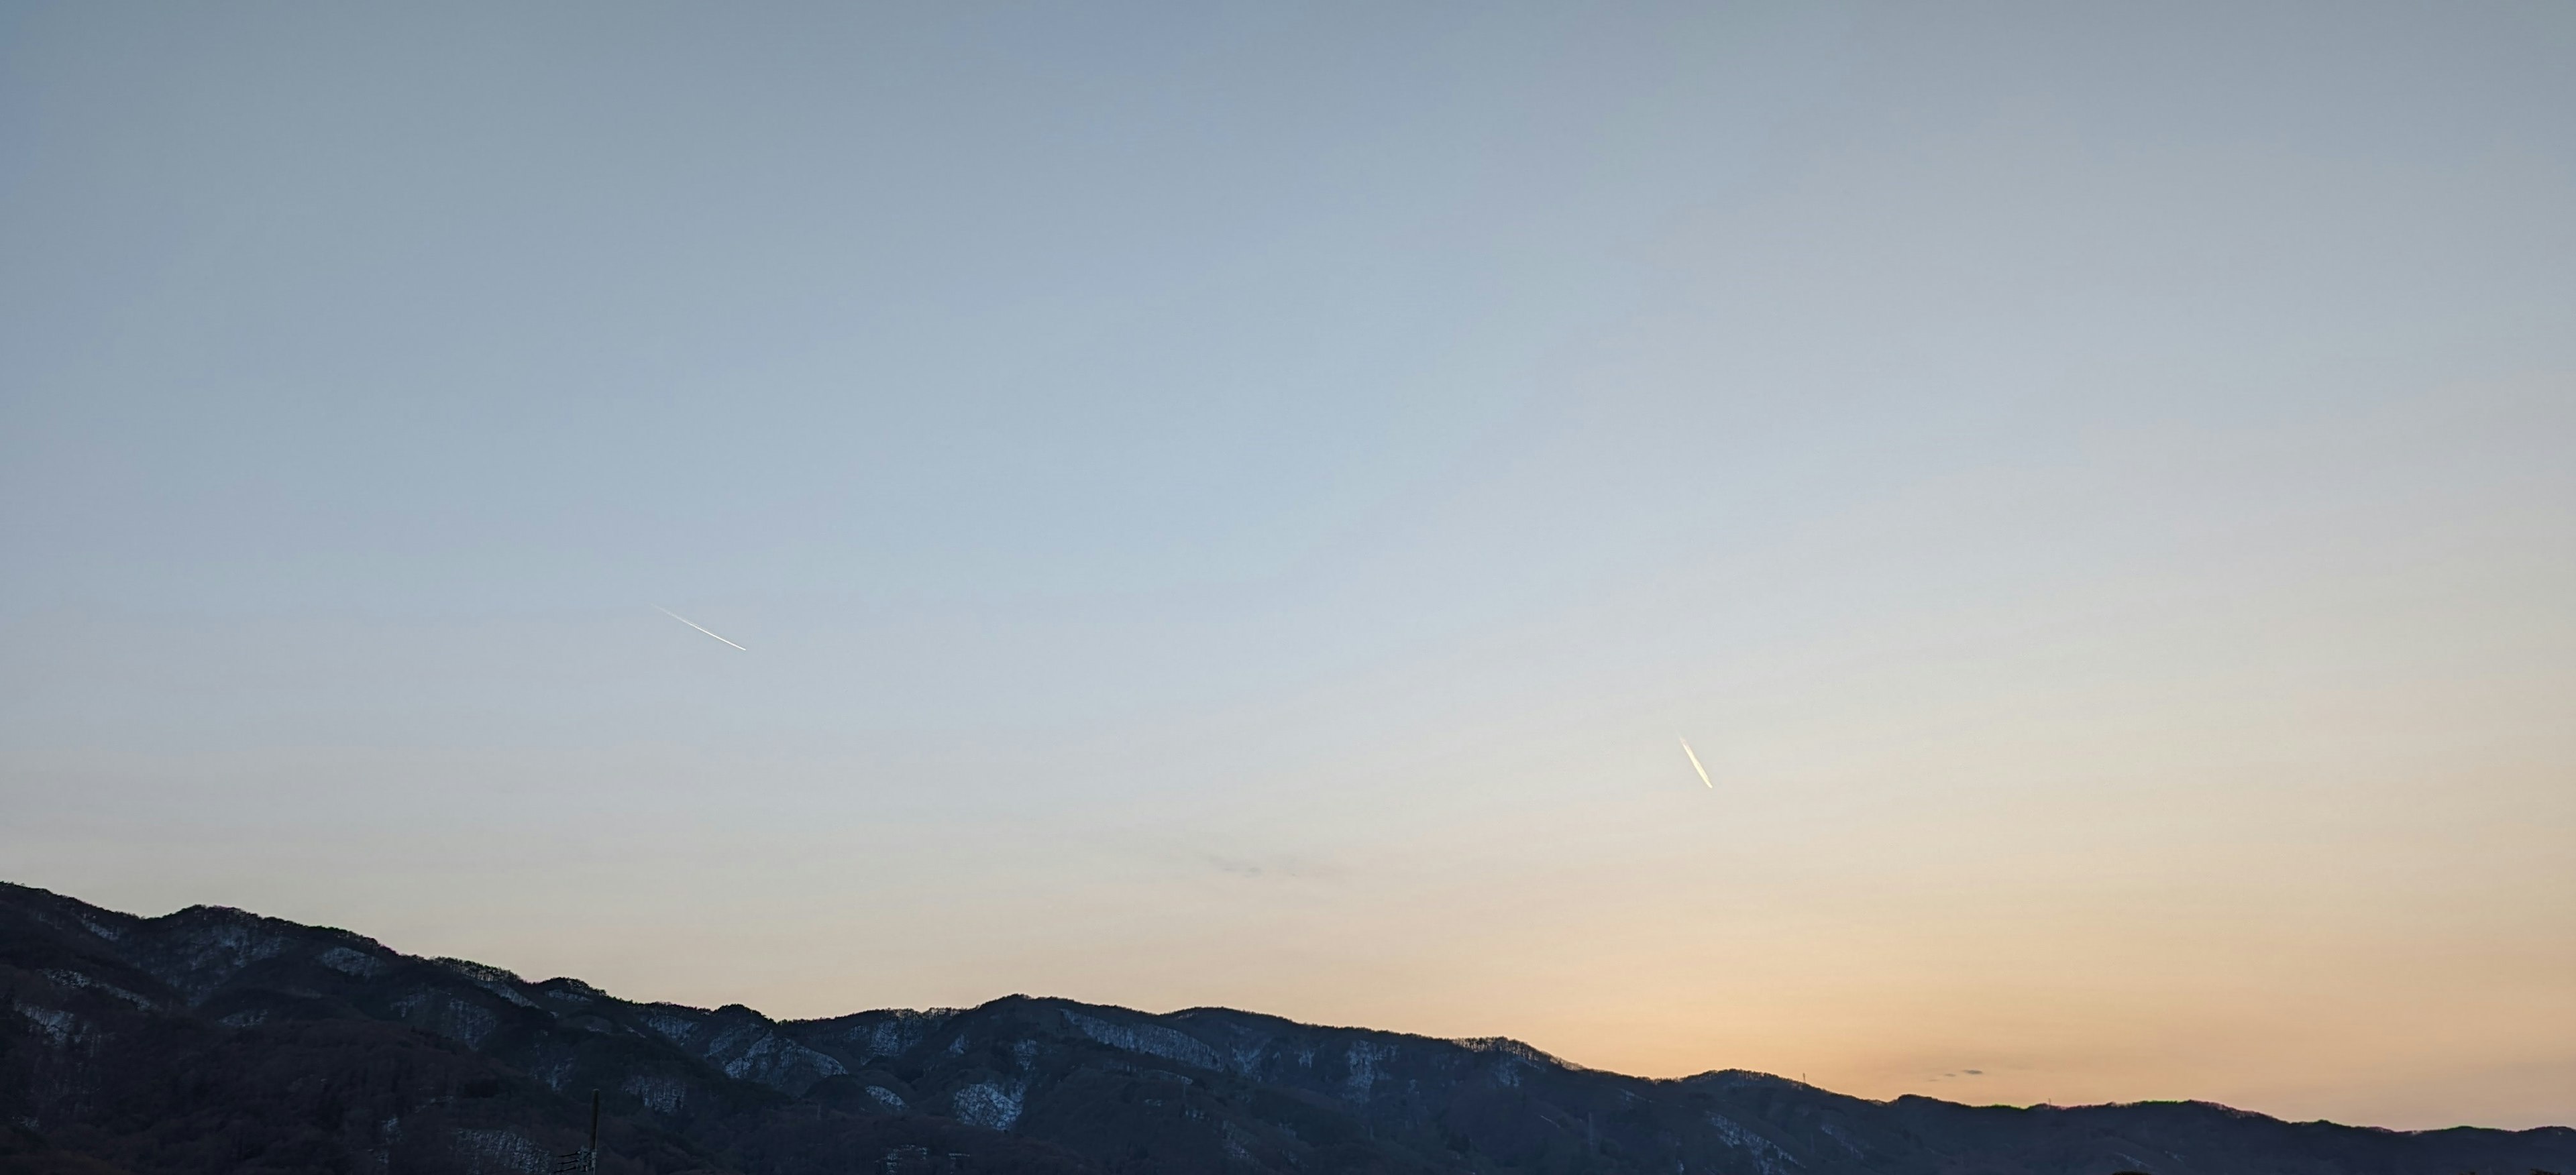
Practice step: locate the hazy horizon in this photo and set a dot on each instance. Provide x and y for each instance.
(1236, 505)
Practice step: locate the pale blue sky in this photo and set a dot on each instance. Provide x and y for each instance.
(1233, 504)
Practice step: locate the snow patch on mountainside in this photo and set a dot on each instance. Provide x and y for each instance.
(109, 933)
(1513, 1048)
(504, 984)
(1150, 1039)
(58, 1026)
(781, 1064)
(657, 1092)
(75, 979)
(1767, 1156)
(674, 1028)
(218, 945)
(1362, 1073)
(992, 1105)
(349, 962)
(899, 1032)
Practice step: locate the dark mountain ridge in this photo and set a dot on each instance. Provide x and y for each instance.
(216, 1040)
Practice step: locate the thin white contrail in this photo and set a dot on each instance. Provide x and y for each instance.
(691, 623)
(1694, 758)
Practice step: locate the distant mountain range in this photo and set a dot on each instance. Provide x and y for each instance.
(213, 1040)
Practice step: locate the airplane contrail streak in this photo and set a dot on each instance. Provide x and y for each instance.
(691, 623)
(1694, 757)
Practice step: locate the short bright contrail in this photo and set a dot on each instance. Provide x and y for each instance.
(694, 624)
(1694, 758)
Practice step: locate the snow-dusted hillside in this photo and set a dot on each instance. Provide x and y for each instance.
(217, 1040)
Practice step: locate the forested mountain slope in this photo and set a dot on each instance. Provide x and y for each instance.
(215, 1040)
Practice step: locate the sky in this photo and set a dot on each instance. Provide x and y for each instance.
(1236, 504)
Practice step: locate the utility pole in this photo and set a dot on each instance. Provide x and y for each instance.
(586, 1160)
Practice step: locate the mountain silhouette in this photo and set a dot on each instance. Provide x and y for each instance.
(214, 1040)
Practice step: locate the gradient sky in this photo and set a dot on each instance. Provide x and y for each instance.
(1233, 503)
